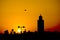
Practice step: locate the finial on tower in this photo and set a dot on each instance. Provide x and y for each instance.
(40, 15)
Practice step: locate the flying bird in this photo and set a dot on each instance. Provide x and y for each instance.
(25, 10)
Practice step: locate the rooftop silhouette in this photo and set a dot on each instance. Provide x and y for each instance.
(28, 35)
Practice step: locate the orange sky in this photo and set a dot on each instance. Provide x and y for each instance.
(12, 13)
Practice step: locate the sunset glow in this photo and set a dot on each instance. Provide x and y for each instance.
(26, 13)
(18, 31)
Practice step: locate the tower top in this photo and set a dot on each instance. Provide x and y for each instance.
(40, 17)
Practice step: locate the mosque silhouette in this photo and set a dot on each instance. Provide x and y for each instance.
(37, 35)
(40, 26)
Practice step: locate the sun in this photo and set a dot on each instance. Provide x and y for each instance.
(18, 31)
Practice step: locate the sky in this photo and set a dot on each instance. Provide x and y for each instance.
(12, 14)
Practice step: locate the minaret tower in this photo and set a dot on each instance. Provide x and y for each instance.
(40, 24)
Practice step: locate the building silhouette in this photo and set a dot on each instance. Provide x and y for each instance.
(6, 32)
(40, 24)
(12, 31)
(30, 35)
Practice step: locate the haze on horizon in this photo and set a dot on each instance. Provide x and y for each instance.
(12, 14)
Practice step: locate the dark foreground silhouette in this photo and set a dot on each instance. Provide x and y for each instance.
(29, 36)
